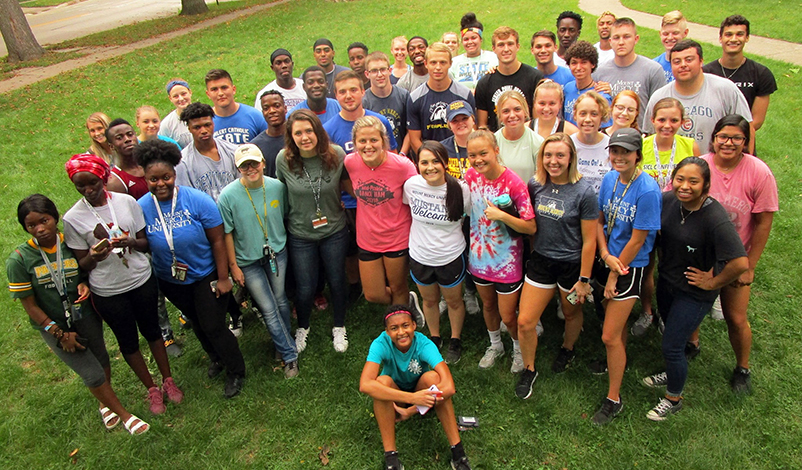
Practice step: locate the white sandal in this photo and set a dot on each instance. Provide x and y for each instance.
(133, 428)
(108, 416)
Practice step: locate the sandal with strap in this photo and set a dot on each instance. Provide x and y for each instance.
(110, 418)
(133, 429)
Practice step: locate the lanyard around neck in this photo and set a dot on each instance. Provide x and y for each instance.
(617, 202)
(662, 181)
(100, 219)
(168, 230)
(258, 217)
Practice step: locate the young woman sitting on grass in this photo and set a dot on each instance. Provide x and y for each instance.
(401, 368)
(43, 273)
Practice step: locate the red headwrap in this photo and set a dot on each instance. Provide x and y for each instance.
(88, 162)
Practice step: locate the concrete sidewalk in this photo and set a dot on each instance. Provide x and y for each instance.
(771, 48)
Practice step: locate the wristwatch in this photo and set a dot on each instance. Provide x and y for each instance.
(584, 279)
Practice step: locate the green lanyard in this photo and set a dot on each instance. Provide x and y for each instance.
(617, 202)
(258, 218)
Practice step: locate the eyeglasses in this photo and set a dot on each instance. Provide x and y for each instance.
(736, 139)
(381, 70)
(621, 108)
(249, 164)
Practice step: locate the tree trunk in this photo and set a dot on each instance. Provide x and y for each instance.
(192, 7)
(17, 34)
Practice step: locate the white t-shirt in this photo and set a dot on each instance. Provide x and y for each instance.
(593, 161)
(520, 155)
(468, 70)
(291, 97)
(173, 127)
(604, 56)
(110, 276)
(433, 239)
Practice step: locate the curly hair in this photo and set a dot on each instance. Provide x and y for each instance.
(155, 151)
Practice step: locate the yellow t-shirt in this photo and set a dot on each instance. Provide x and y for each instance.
(662, 172)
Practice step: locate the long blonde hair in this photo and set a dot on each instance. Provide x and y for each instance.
(95, 148)
(541, 175)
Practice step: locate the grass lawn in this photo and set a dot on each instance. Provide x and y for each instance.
(41, 3)
(46, 413)
(769, 18)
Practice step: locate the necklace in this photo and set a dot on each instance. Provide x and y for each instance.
(729, 77)
(683, 216)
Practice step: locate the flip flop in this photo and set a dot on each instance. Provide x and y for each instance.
(133, 428)
(109, 416)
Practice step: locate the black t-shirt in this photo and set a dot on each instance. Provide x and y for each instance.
(706, 240)
(270, 147)
(751, 78)
(492, 85)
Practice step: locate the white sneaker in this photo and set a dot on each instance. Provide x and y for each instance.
(471, 305)
(539, 328)
(443, 306)
(489, 359)
(560, 313)
(300, 339)
(340, 338)
(715, 311)
(517, 362)
(642, 324)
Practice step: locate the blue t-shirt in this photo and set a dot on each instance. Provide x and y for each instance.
(426, 109)
(562, 75)
(663, 61)
(639, 209)
(404, 368)
(571, 94)
(339, 131)
(195, 211)
(240, 127)
(172, 141)
(332, 109)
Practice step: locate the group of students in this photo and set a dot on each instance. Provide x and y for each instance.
(539, 208)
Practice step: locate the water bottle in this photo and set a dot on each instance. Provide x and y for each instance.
(504, 202)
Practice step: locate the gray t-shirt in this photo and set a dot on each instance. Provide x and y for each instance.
(717, 98)
(411, 80)
(110, 276)
(560, 210)
(393, 107)
(301, 195)
(204, 174)
(644, 77)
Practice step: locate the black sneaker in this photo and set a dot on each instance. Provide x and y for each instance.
(214, 369)
(391, 462)
(454, 353)
(608, 411)
(691, 350)
(438, 341)
(234, 385)
(461, 464)
(523, 389)
(563, 360)
(663, 409)
(741, 381)
(598, 367)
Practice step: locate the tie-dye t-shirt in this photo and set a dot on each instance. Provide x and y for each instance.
(495, 256)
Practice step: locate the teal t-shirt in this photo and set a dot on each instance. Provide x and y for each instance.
(241, 217)
(404, 368)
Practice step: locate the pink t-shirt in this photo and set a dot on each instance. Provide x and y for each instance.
(495, 256)
(748, 189)
(382, 218)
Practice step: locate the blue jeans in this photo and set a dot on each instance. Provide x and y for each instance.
(267, 292)
(305, 256)
(682, 315)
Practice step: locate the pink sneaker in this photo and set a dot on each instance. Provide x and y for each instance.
(174, 394)
(156, 398)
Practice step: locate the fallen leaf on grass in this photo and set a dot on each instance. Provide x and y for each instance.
(72, 454)
(324, 455)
